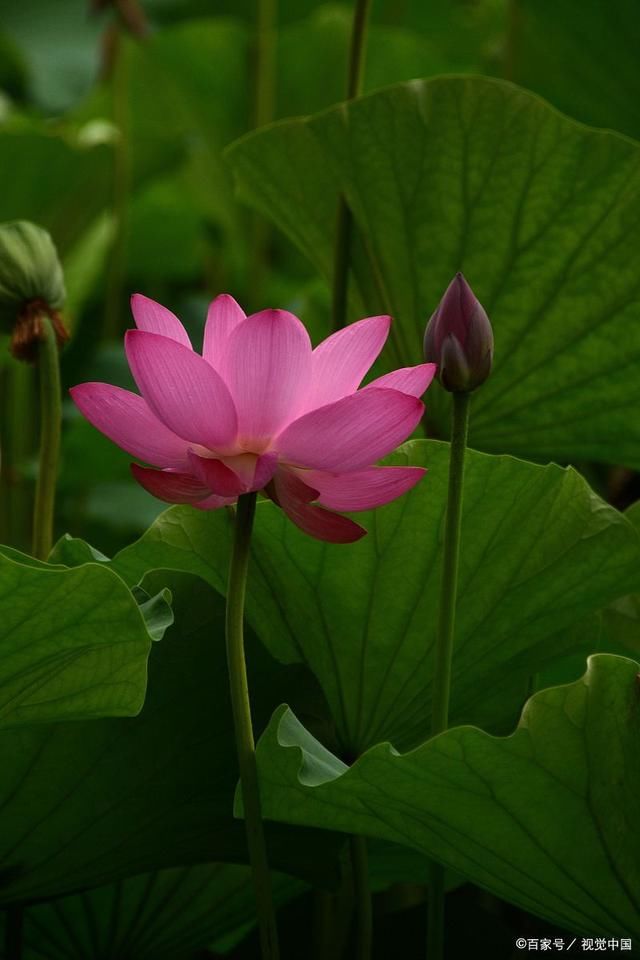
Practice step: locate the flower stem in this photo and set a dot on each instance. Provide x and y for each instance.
(344, 222)
(243, 727)
(50, 419)
(445, 638)
(362, 896)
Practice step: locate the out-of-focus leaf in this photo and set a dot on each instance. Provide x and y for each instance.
(59, 45)
(85, 264)
(187, 93)
(85, 804)
(545, 819)
(363, 618)
(166, 241)
(584, 62)
(312, 56)
(542, 215)
(74, 644)
(54, 183)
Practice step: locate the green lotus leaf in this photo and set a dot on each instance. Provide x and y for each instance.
(545, 818)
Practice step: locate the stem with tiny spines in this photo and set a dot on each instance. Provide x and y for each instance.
(445, 639)
(344, 220)
(241, 707)
(48, 361)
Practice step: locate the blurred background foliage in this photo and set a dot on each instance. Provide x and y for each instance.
(112, 128)
(114, 143)
(114, 120)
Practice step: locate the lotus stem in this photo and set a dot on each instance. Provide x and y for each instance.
(445, 639)
(48, 360)
(245, 744)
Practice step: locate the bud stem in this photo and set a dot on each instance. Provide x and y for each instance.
(245, 745)
(445, 638)
(344, 222)
(48, 362)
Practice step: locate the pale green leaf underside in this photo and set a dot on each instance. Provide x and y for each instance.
(545, 818)
(541, 214)
(540, 552)
(74, 643)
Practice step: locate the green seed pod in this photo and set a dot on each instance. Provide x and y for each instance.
(29, 269)
(31, 285)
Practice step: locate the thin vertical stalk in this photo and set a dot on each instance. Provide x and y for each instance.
(362, 897)
(357, 48)
(344, 221)
(323, 915)
(513, 30)
(16, 439)
(445, 639)
(50, 420)
(14, 922)
(449, 585)
(332, 920)
(240, 704)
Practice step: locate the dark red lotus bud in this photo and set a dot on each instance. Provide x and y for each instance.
(459, 339)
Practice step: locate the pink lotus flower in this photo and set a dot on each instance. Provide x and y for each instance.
(262, 410)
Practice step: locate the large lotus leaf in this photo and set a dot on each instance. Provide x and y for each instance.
(541, 214)
(545, 818)
(83, 804)
(585, 64)
(540, 552)
(158, 916)
(74, 643)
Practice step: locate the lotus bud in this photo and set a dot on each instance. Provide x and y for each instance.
(459, 339)
(31, 286)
